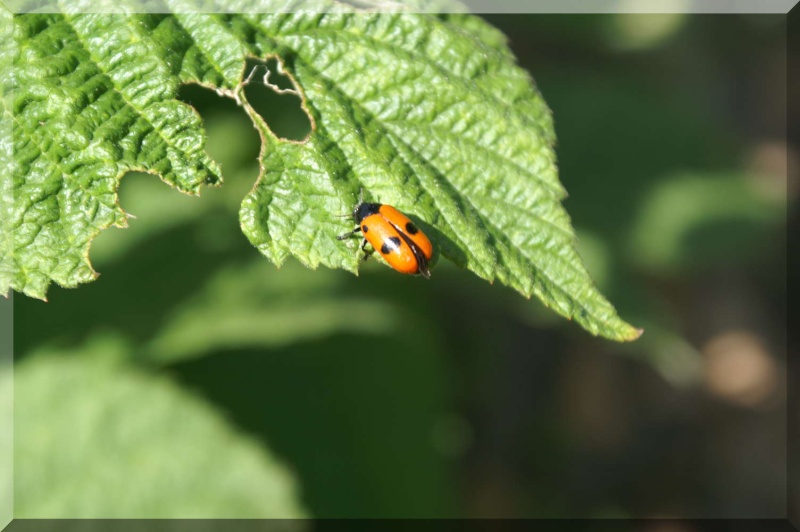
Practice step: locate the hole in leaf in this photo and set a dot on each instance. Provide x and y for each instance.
(231, 140)
(275, 97)
(229, 131)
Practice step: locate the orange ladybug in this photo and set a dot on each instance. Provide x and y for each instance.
(401, 243)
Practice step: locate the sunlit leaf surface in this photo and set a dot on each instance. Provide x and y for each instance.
(430, 114)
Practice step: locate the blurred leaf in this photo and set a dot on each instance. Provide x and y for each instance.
(639, 31)
(418, 110)
(356, 415)
(620, 132)
(693, 219)
(96, 438)
(6, 411)
(246, 306)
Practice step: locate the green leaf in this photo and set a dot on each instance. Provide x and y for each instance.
(424, 116)
(426, 113)
(681, 224)
(97, 438)
(242, 307)
(93, 98)
(6, 154)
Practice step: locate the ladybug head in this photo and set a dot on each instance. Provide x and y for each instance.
(363, 210)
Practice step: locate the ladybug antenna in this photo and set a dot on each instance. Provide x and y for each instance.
(361, 196)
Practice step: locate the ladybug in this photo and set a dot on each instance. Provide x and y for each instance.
(401, 243)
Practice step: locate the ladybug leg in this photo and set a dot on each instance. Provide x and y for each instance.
(367, 253)
(349, 234)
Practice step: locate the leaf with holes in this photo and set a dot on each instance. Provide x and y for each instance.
(92, 97)
(430, 115)
(427, 113)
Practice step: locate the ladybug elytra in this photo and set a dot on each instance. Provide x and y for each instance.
(401, 243)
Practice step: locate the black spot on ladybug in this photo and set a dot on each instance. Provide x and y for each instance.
(364, 228)
(411, 229)
(390, 244)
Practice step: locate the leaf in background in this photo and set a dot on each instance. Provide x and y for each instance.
(6, 411)
(242, 307)
(696, 218)
(429, 114)
(96, 438)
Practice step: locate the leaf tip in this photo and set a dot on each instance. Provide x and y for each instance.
(631, 334)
